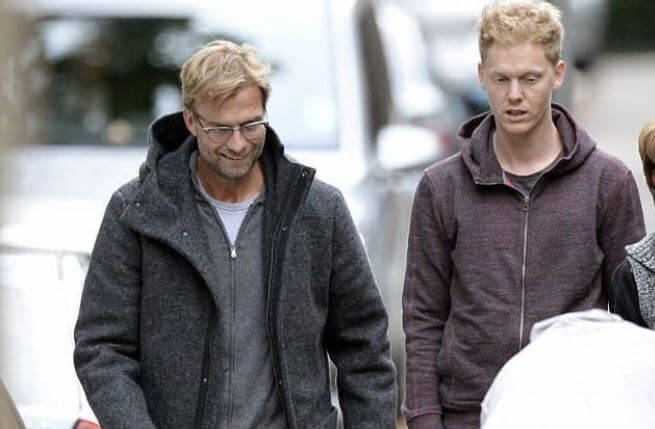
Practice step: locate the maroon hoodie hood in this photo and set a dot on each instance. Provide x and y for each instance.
(479, 157)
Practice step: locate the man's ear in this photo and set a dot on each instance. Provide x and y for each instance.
(481, 75)
(189, 120)
(560, 73)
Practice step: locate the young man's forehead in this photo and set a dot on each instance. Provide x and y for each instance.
(519, 71)
(527, 53)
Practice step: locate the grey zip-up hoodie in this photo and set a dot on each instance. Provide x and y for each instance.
(485, 263)
(148, 340)
(247, 396)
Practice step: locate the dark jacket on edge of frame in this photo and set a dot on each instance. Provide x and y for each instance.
(144, 334)
(468, 304)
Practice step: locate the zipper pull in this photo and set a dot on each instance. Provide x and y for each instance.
(233, 251)
(526, 204)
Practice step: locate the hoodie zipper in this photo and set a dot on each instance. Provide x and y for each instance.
(524, 256)
(524, 263)
(206, 373)
(233, 282)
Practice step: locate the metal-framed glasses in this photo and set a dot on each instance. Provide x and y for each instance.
(251, 131)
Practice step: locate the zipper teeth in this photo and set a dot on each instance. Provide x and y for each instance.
(526, 208)
(233, 296)
(232, 321)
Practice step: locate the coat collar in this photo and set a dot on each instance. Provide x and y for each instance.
(164, 207)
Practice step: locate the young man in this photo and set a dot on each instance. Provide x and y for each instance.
(528, 221)
(225, 274)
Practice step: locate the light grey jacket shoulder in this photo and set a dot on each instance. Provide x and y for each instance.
(147, 323)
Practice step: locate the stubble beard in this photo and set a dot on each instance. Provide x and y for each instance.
(222, 168)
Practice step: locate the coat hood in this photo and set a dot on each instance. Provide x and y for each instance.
(473, 138)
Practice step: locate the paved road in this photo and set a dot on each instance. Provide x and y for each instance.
(613, 100)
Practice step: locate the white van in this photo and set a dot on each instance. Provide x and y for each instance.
(349, 98)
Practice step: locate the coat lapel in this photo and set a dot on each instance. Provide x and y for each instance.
(165, 210)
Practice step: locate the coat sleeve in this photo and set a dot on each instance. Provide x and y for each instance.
(356, 332)
(106, 352)
(622, 223)
(426, 306)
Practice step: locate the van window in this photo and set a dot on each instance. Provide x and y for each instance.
(101, 80)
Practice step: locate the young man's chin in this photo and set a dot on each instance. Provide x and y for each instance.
(516, 128)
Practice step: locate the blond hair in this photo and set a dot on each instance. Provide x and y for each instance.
(511, 22)
(647, 152)
(220, 69)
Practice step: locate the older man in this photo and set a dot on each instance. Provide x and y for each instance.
(225, 275)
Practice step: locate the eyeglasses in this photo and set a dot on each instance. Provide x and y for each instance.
(251, 131)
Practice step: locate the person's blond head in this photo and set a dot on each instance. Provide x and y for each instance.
(219, 70)
(647, 152)
(511, 22)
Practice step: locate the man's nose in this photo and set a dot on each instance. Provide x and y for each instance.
(237, 143)
(514, 91)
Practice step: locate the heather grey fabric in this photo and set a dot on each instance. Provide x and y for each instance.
(248, 397)
(148, 341)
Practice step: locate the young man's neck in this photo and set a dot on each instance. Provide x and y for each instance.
(527, 153)
(230, 190)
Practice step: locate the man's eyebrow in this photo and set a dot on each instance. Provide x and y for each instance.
(494, 73)
(531, 72)
(247, 121)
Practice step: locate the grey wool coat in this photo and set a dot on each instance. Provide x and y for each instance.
(144, 337)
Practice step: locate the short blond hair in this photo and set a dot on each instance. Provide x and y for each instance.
(511, 22)
(220, 69)
(647, 152)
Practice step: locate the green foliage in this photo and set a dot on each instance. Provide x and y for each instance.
(631, 25)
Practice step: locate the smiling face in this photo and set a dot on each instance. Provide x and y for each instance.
(519, 81)
(233, 162)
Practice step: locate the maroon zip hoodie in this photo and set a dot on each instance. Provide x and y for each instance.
(485, 263)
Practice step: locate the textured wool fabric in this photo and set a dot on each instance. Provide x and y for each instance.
(641, 257)
(484, 263)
